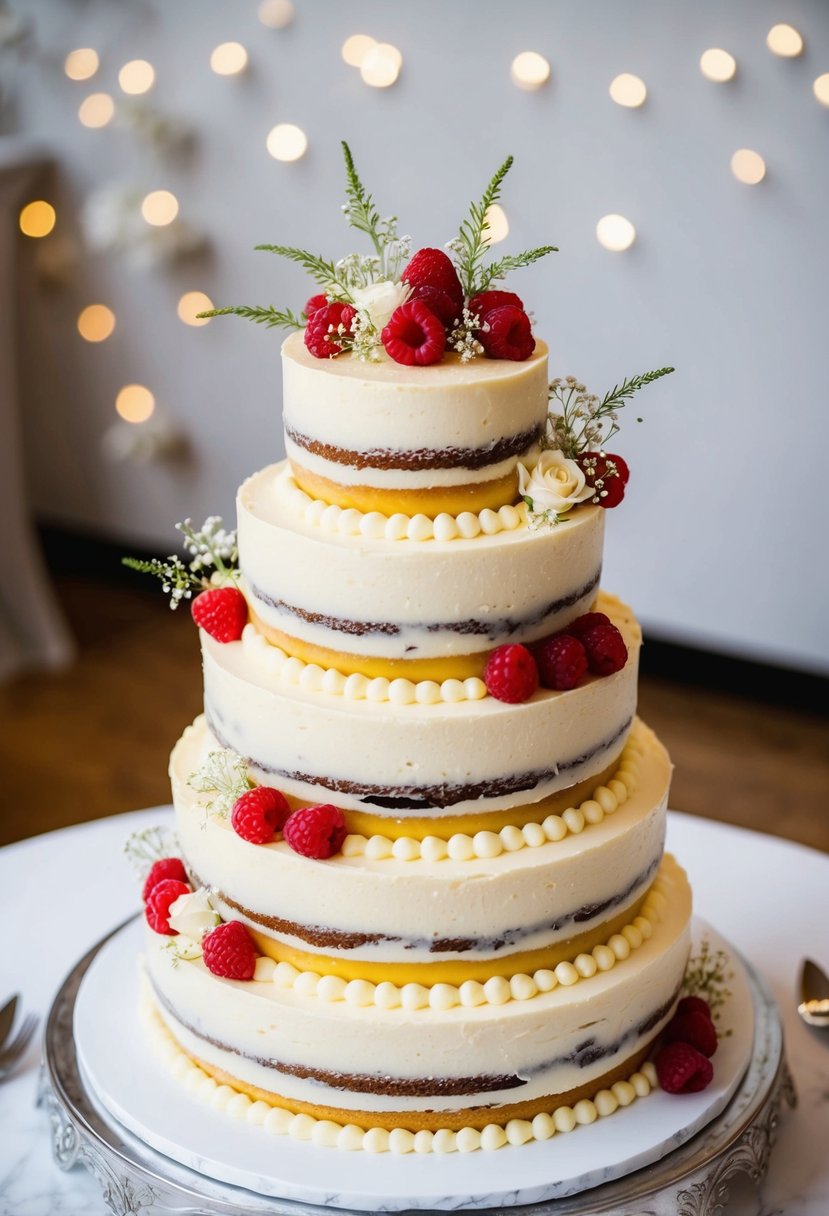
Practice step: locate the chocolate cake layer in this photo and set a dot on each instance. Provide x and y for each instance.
(420, 459)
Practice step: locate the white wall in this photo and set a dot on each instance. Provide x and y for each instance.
(720, 541)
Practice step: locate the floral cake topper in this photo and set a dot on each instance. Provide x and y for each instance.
(412, 307)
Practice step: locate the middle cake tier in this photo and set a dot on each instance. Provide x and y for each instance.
(405, 595)
(545, 898)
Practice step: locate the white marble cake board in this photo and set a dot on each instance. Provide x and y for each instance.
(126, 1078)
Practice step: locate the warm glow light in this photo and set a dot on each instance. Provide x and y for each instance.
(136, 77)
(191, 303)
(276, 14)
(615, 233)
(381, 65)
(498, 223)
(135, 403)
(785, 40)
(627, 90)
(37, 218)
(717, 65)
(159, 208)
(821, 89)
(96, 110)
(286, 142)
(355, 49)
(96, 322)
(530, 70)
(81, 64)
(748, 166)
(228, 59)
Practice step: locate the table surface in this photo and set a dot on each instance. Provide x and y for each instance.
(63, 891)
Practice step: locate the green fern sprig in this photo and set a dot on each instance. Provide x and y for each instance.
(323, 271)
(270, 317)
(500, 269)
(360, 209)
(471, 244)
(624, 391)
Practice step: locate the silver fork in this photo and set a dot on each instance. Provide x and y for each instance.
(12, 1052)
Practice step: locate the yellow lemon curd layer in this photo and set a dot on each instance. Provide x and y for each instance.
(449, 971)
(430, 501)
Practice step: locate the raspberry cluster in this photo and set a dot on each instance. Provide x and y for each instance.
(418, 330)
(591, 643)
(683, 1062)
(312, 831)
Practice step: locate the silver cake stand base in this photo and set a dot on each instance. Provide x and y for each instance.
(693, 1180)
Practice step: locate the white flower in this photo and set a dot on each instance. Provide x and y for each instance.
(192, 915)
(379, 300)
(555, 484)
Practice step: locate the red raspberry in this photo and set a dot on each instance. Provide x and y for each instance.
(695, 1028)
(582, 624)
(507, 334)
(157, 907)
(511, 674)
(562, 662)
(694, 1004)
(315, 303)
(432, 268)
(613, 473)
(229, 951)
(222, 612)
(259, 814)
(485, 301)
(323, 324)
(316, 831)
(681, 1069)
(606, 649)
(167, 867)
(441, 304)
(414, 335)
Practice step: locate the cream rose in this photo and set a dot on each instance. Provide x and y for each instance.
(554, 484)
(192, 915)
(379, 300)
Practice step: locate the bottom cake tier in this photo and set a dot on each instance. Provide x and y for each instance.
(280, 1041)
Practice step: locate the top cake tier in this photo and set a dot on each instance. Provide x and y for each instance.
(387, 437)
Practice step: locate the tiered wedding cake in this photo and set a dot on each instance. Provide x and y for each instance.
(446, 916)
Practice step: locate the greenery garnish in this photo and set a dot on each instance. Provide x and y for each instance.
(583, 421)
(707, 975)
(470, 245)
(148, 846)
(214, 556)
(271, 317)
(224, 774)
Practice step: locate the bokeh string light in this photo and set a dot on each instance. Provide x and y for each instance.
(615, 232)
(135, 403)
(355, 48)
(498, 224)
(748, 166)
(381, 64)
(136, 77)
(37, 218)
(784, 40)
(628, 90)
(96, 110)
(81, 64)
(159, 208)
(276, 14)
(286, 142)
(529, 70)
(229, 59)
(190, 305)
(96, 323)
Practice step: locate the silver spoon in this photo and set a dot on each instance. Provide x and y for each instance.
(814, 992)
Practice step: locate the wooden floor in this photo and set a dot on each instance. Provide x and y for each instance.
(94, 740)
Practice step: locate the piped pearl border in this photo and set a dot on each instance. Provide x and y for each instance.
(310, 677)
(606, 800)
(398, 1141)
(497, 990)
(374, 525)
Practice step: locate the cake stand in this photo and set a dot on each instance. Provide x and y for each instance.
(691, 1180)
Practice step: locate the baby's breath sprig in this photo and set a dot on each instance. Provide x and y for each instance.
(583, 421)
(224, 774)
(471, 244)
(214, 559)
(148, 846)
(536, 520)
(463, 339)
(707, 975)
